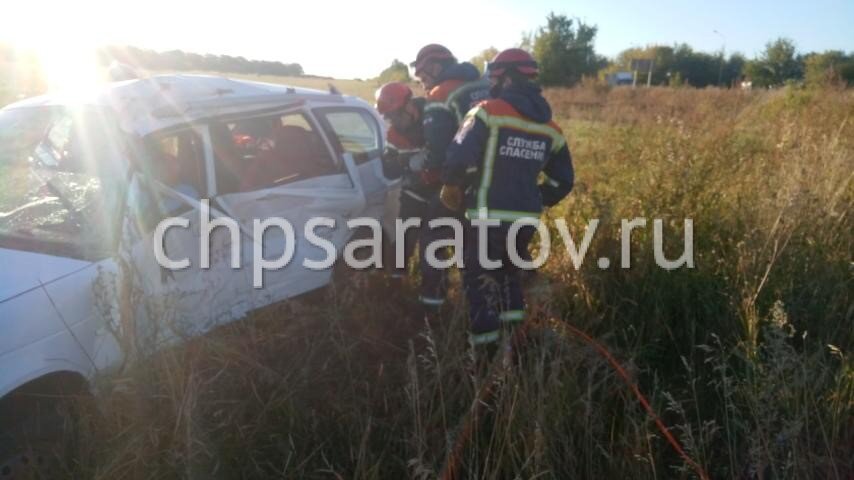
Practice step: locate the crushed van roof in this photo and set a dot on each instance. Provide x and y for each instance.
(162, 101)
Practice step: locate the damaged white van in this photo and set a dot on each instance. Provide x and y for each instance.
(83, 184)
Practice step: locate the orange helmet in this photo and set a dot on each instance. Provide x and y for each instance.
(392, 96)
(431, 53)
(514, 59)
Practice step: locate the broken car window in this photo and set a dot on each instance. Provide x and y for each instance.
(53, 162)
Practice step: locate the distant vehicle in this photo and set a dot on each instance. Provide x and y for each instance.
(84, 182)
(620, 78)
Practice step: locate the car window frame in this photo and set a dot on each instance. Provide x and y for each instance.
(359, 157)
(148, 179)
(297, 108)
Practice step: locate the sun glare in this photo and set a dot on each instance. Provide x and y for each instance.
(69, 69)
(63, 48)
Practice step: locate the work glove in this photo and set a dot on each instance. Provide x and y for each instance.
(451, 197)
(391, 163)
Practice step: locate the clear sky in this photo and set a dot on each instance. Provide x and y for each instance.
(360, 38)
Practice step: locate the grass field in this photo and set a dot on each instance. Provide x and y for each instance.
(747, 357)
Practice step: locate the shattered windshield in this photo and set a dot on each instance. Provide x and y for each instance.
(60, 180)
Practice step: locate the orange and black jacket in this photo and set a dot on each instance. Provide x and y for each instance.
(502, 148)
(459, 89)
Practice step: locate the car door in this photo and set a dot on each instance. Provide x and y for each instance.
(177, 303)
(280, 166)
(356, 131)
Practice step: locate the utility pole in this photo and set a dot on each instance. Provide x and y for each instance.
(649, 74)
(723, 50)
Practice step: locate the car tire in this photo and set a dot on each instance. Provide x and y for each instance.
(39, 444)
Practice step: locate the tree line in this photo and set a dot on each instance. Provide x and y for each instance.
(564, 49)
(186, 61)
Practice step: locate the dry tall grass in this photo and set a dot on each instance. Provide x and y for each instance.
(747, 356)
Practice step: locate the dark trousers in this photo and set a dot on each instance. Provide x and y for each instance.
(434, 280)
(494, 296)
(412, 205)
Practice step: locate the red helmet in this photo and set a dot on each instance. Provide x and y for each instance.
(513, 59)
(392, 96)
(429, 53)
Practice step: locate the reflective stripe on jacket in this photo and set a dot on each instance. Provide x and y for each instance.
(458, 97)
(499, 155)
(447, 103)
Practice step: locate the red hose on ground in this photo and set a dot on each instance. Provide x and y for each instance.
(450, 470)
(641, 398)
